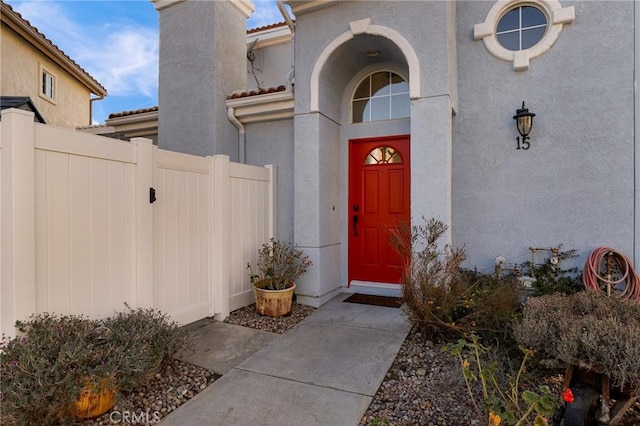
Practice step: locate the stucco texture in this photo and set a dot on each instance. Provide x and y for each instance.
(202, 53)
(574, 186)
(272, 143)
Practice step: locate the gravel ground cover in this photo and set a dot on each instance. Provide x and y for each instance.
(423, 387)
(248, 317)
(164, 392)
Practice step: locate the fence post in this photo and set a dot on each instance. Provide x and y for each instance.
(144, 222)
(273, 201)
(221, 234)
(17, 233)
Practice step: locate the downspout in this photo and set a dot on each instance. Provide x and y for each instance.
(242, 139)
(292, 28)
(99, 98)
(636, 133)
(286, 16)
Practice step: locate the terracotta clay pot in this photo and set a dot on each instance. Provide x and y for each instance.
(274, 303)
(95, 399)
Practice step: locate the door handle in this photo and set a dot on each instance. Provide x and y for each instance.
(355, 225)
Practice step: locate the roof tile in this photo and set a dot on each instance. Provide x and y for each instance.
(266, 27)
(280, 88)
(134, 112)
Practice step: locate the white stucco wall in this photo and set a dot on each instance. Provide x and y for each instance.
(575, 184)
(272, 143)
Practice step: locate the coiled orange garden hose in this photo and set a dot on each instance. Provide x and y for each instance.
(592, 277)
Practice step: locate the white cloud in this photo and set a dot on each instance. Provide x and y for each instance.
(125, 62)
(122, 56)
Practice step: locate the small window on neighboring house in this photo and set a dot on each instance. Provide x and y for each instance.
(380, 96)
(47, 84)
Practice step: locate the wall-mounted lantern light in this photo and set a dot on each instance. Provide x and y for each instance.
(524, 122)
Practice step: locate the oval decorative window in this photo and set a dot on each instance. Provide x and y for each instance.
(521, 28)
(518, 31)
(383, 155)
(381, 96)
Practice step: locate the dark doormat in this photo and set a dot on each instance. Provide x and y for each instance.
(368, 299)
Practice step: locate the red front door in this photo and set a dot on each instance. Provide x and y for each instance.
(379, 200)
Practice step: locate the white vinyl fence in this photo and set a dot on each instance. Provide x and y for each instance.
(79, 233)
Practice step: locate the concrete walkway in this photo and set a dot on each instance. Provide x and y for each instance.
(325, 371)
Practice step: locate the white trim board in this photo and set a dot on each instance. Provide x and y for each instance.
(377, 289)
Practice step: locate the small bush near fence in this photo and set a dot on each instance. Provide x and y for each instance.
(444, 301)
(45, 369)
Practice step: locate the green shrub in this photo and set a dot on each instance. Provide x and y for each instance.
(504, 395)
(148, 339)
(552, 278)
(44, 369)
(444, 301)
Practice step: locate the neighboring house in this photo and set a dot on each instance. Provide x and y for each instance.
(392, 111)
(32, 66)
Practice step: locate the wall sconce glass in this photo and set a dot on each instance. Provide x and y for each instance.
(524, 122)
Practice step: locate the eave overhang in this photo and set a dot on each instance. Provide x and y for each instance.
(260, 108)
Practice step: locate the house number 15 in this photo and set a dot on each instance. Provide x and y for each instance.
(524, 144)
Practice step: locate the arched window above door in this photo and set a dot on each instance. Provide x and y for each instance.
(380, 96)
(383, 155)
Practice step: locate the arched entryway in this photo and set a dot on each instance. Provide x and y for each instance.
(368, 74)
(324, 131)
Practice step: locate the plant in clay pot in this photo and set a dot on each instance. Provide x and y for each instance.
(279, 264)
(62, 369)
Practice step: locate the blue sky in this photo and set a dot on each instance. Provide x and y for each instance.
(116, 41)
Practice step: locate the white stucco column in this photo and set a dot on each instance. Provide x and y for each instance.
(317, 205)
(431, 139)
(202, 59)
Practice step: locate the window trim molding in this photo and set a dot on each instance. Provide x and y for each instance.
(364, 26)
(557, 16)
(42, 69)
(360, 80)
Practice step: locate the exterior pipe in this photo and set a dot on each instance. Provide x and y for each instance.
(636, 132)
(292, 28)
(99, 98)
(242, 139)
(286, 16)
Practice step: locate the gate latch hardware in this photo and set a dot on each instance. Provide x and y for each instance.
(152, 195)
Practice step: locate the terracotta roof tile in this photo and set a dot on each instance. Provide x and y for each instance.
(266, 27)
(47, 41)
(281, 88)
(134, 112)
